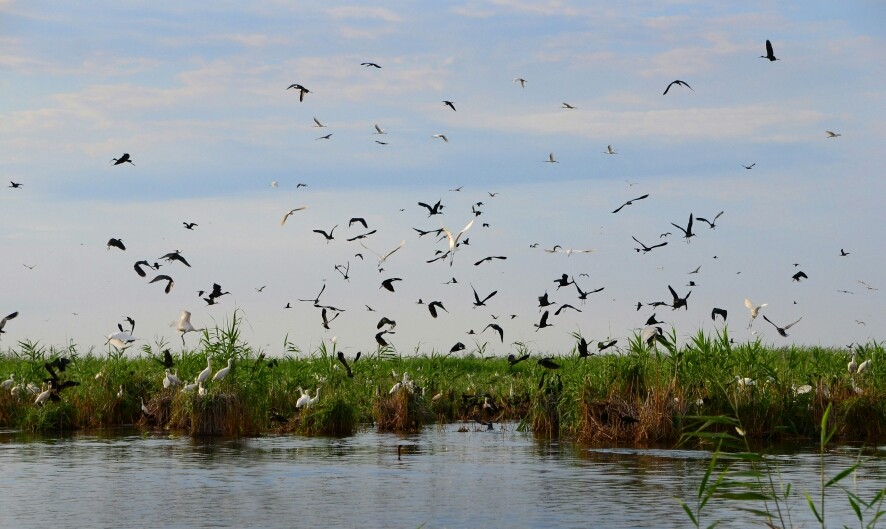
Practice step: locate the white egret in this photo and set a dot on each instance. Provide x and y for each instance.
(6, 384)
(120, 340)
(120, 392)
(41, 398)
(853, 365)
(314, 399)
(754, 310)
(222, 373)
(864, 366)
(204, 375)
(453, 241)
(171, 380)
(200, 389)
(183, 325)
(290, 212)
(303, 400)
(189, 388)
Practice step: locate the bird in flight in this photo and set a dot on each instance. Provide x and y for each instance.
(832, 134)
(368, 64)
(378, 130)
(290, 212)
(441, 136)
(687, 233)
(754, 310)
(679, 83)
(782, 330)
(116, 243)
(436, 209)
(328, 236)
(6, 319)
(645, 248)
(609, 150)
(453, 240)
(629, 202)
(164, 277)
(678, 301)
(520, 80)
(718, 312)
(388, 284)
(799, 275)
(551, 159)
(843, 253)
(450, 104)
(326, 137)
(122, 159)
(481, 302)
(713, 224)
(382, 258)
(769, 53)
(749, 167)
(175, 256)
(568, 106)
(15, 185)
(189, 225)
(301, 90)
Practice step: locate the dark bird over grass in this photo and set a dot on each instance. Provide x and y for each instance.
(6, 319)
(782, 330)
(548, 363)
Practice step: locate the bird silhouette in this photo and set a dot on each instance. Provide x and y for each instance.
(432, 308)
(782, 330)
(372, 64)
(551, 159)
(678, 301)
(799, 275)
(548, 363)
(749, 167)
(175, 256)
(450, 104)
(832, 134)
(769, 53)
(481, 302)
(116, 243)
(388, 284)
(497, 328)
(6, 319)
(436, 209)
(514, 360)
(543, 322)
(718, 312)
(15, 185)
(490, 258)
(124, 158)
(713, 224)
(678, 83)
(629, 202)
(301, 90)
(646, 249)
(687, 233)
(843, 253)
(327, 236)
(164, 277)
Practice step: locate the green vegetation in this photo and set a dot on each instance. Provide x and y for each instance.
(642, 395)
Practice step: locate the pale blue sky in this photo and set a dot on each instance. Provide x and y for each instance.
(197, 95)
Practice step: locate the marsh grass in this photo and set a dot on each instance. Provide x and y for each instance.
(639, 395)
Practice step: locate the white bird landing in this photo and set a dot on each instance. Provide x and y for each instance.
(120, 340)
(183, 325)
(754, 310)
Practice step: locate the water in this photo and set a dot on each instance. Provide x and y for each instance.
(444, 478)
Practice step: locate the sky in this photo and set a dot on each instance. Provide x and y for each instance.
(197, 95)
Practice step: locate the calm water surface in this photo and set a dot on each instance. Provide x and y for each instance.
(445, 478)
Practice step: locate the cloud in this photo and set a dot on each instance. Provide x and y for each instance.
(360, 12)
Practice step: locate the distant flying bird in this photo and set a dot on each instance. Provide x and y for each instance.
(290, 212)
(175, 256)
(551, 159)
(679, 83)
(15, 185)
(481, 302)
(301, 90)
(441, 136)
(326, 137)
(543, 322)
(189, 225)
(646, 249)
(164, 277)
(327, 236)
(718, 312)
(832, 134)
(749, 166)
(713, 224)
(843, 253)
(769, 54)
(754, 310)
(450, 104)
(609, 150)
(453, 240)
(497, 328)
(567, 105)
(432, 308)
(781, 330)
(490, 258)
(687, 233)
(122, 159)
(326, 320)
(383, 258)
(116, 243)
(318, 124)
(372, 64)
(6, 319)
(630, 202)
(436, 209)
(378, 130)
(799, 275)
(582, 295)
(388, 284)
(678, 301)
(520, 80)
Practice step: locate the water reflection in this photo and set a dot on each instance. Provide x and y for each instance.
(443, 478)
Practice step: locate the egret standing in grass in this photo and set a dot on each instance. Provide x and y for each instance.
(204, 375)
(222, 373)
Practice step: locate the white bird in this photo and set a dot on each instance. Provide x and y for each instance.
(650, 333)
(190, 388)
(120, 340)
(183, 325)
(853, 365)
(609, 150)
(171, 380)
(754, 310)
(383, 258)
(453, 241)
(120, 393)
(744, 382)
(551, 159)
(205, 373)
(41, 398)
(303, 400)
(441, 136)
(378, 130)
(6, 384)
(275, 183)
(314, 399)
(864, 366)
(567, 251)
(290, 212)
(395, 388)
(200, 389)
(223, 372)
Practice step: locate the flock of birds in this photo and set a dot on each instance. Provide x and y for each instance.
(451, 242)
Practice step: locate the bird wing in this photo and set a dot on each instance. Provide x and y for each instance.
(786, 327)
(770, 321)
(748, 304)
(676, 297)
(621, 206)
(640, 243)
(769, 51)
(668, 88)
(403, 242)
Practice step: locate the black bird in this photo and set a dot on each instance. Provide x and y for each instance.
(422, 233)
(629, 202)
(138, 268)
(645, 248)
(116, 243)
(341, 358)
(60, 363)
(769, 53)
(328, 236)
(798, 276)
(301, 90)
(167, 359)
(374, 65)
(164, 277)
(189, 225)
(678, 301)
(564, 307)
(457, 347)
(436, 209)
(122, 159)
(175, 256)
(602, 346)
(749, 167)
(679, 83)
(326, 320)
(548, 363)
(782, 330)
(386, 321)
(361, 236)
(481, 302)
(326, 137)
(380, 340)
(687, 233)
(544, 302)
(450, 104)
(490, 258)
(432, 308)
(583, 348)
(131, 323)
(713, 224)
(716, 311)
(543, 322)
(497, 328)
(388, 284)
(316, 300)
(582, 295)
(843, 253)
(15, 185)
(563, 281)
(513, 360)
(216, 292)
(358, 220)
